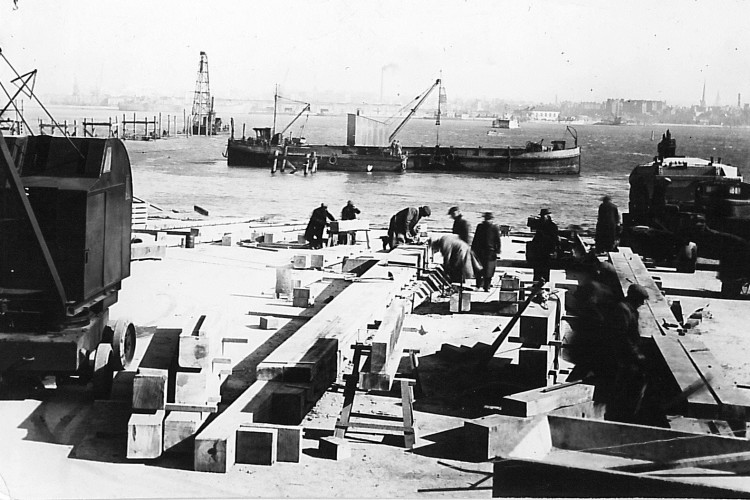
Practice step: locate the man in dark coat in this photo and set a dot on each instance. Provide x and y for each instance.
(543, 246)
(624, 338)
(460, 226)
(403, 225)
(318, 221)
(458, 260)
(608, 226)
(349, 212)
(486, 246)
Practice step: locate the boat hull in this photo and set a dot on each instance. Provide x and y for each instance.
(508, 160)
(498, 160)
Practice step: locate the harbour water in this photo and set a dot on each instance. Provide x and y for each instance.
(179, 172)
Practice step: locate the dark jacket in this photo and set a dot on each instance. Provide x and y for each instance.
(607, 226)
(404, 222)
(318, 221)
(486, 244)
(349, 212)
(461, 228)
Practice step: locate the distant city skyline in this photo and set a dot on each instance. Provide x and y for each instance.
(530, 51)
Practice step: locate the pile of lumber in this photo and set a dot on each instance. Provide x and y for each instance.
(708, 390)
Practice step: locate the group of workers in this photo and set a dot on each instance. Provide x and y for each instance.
(320, 219)
(605, 344)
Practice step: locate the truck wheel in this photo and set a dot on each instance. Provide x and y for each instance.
(103, 372)
(121, 335)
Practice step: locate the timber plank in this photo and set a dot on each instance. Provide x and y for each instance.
(387, 335)
(214, 449)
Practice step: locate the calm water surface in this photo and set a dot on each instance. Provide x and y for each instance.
(178, 173)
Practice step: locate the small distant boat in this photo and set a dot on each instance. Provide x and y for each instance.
(505, 123)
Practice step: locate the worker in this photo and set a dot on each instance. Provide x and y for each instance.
(486, 246)
(403, 225)
(460, 226)
(543, 247)
(629, 384)
(458, 259)
(687, 255)
(318, 221)
(349, 212)
(608, 226)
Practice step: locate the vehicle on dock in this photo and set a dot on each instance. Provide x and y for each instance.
(65, 249)
(677, 199)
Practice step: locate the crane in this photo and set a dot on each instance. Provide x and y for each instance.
(420, 99)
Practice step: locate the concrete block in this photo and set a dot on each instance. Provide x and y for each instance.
(537, 324)
(179, 427)
(288, 405)
(301, 238)
(226, 240)
(146, 435)
(269, 323)
(535, 364)
(509, 283)
(317, 261)
(268, 238)
(150, 389)
(256, 446)
(301, 261)
(334, 448)
(465, 302)
(507, 296)
(508, 309)
(302, 297)
(289, 444)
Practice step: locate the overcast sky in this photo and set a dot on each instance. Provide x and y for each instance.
(517, 50)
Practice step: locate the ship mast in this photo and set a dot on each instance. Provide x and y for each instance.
(442, 98)
(275, 100)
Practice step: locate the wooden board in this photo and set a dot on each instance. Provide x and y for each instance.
(214, 449)
(179, 428)
(145, 435)
(536, 401)
(385, 339)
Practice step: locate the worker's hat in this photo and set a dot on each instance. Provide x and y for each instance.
(488, 216)
(426, 210)
(545, 211)
(452, 210)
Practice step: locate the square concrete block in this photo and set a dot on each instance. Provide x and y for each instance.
(289, 444)
(334, 448)
(301, 261)
(317, 261)
(509, 283)
(507, 296)
(508, 309)
(302, 297)
(226, 240)
(256, 446)
(269, 323)
(465, 302)
(538, 323)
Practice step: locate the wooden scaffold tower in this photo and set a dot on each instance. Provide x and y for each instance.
(203, 115)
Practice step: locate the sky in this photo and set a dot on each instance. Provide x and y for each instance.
(529, 50)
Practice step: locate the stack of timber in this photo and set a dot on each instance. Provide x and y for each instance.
(291, 379)
(176, 386)
(710, 394)
(539, 333)
(581, 457)
(508, 296)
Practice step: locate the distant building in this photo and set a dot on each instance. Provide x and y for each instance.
(544, 115)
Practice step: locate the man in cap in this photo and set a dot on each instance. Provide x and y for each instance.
(318, 221)
(349, 212)
(403, 225)
(460, 226)
(608, 225)
(486, 246)
(541, 249)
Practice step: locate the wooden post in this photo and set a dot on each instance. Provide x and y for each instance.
(314, 162)
(275, 159)
(307, 163)
(243, 131)
(283, 159)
